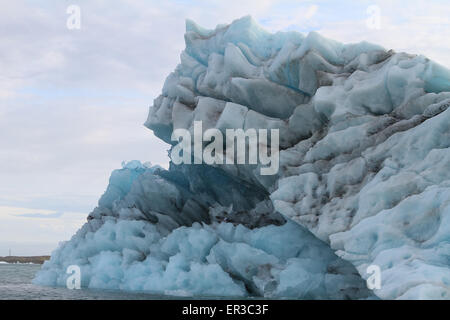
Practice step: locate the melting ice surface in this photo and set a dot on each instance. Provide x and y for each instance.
(364, 177)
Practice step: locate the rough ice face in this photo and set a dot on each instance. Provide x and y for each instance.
(364, 166)
(147, 240)
(364, 132)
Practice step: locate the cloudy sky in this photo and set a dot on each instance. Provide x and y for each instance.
(73, 101)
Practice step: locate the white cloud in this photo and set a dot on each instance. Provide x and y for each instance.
(312, 10)
(43, 232)
(415, 27)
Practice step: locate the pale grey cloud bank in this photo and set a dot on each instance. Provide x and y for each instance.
(72, 102)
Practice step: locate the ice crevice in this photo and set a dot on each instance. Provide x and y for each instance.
(364, 177)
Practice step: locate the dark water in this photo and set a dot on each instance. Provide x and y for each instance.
(15, 284)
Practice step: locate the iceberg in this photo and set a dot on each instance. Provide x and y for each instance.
(363, 179)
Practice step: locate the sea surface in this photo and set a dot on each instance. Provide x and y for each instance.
(15, 284)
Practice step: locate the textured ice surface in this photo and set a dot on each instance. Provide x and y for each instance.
(132, 243)
(364, 166)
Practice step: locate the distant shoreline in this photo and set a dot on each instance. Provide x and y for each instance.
(35, 259)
